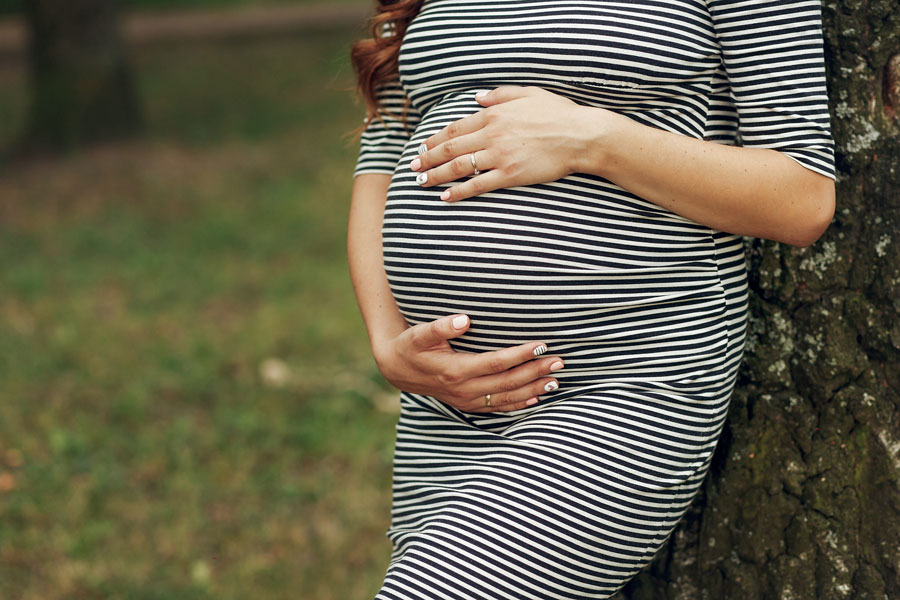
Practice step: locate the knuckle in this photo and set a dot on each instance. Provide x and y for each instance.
(496, 365)
(451, 378)
(508, 385)
(456, 168)
(449, 149)
(453, 129)
(477, 187)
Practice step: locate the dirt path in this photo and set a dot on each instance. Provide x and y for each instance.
(142, 28)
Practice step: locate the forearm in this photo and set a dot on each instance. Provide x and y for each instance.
(748, 191)
(379, 310)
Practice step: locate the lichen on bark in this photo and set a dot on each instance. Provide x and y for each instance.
(803, 497)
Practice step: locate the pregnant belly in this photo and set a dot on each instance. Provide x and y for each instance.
(619, 287)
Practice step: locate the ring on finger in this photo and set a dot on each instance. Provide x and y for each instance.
(487, 400)
(474, 164)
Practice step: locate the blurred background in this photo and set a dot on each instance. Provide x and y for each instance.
(188, 407)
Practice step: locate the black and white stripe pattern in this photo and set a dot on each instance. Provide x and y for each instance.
(569, 498)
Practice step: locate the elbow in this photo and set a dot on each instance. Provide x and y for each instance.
(817, 215)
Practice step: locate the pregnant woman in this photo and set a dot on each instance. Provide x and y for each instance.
(545, 241)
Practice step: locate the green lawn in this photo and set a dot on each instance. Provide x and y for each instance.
(15, 6)
(188, 408)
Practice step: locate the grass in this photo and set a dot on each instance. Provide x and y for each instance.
(16, 6)
(188, 403)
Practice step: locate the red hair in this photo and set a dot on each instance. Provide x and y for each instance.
(375, 59)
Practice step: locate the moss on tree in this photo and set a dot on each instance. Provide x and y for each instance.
(803, 499)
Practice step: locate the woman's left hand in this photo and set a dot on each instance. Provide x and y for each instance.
(525, 135)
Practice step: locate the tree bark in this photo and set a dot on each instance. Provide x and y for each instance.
(803, 498)
(81, 84)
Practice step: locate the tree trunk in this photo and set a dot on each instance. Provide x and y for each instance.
(82, 90)
(803, 498)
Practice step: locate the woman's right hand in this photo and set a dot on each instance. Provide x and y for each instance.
(421, 361)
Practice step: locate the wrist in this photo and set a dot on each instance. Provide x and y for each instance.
(381, 343)
(595, 134)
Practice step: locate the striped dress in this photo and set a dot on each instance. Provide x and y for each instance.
(569, 498)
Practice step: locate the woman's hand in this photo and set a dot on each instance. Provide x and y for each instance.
(421, 361)
(525, 135)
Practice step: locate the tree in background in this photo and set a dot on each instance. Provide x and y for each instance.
(803, 502)
(81, 85)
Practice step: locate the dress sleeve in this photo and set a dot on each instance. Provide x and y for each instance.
(385, 137)
(773, 59)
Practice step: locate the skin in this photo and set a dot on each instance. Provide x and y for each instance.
(527, 135)
(524, 136)
(419, 359)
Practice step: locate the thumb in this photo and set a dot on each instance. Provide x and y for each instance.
(439, 330)
(504, 93)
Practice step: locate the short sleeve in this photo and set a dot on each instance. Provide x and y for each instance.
(385, 137)
(773, 59)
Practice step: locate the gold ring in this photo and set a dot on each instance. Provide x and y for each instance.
(487, 400)
(477, 172)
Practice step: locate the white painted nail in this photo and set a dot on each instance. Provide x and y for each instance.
(551, 387)
(481, 94)
(460, 321)
(531, 402)
(557, 366)
(540, 350)
(422, 148)
(422, 178)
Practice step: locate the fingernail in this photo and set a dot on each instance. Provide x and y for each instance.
(422, 178)
(416, 164)
(557, 366)
(460, 321)
(551, 387)
(531, 402)
(445, 195)
(481, 94)
(540, 350)
(422, 148)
